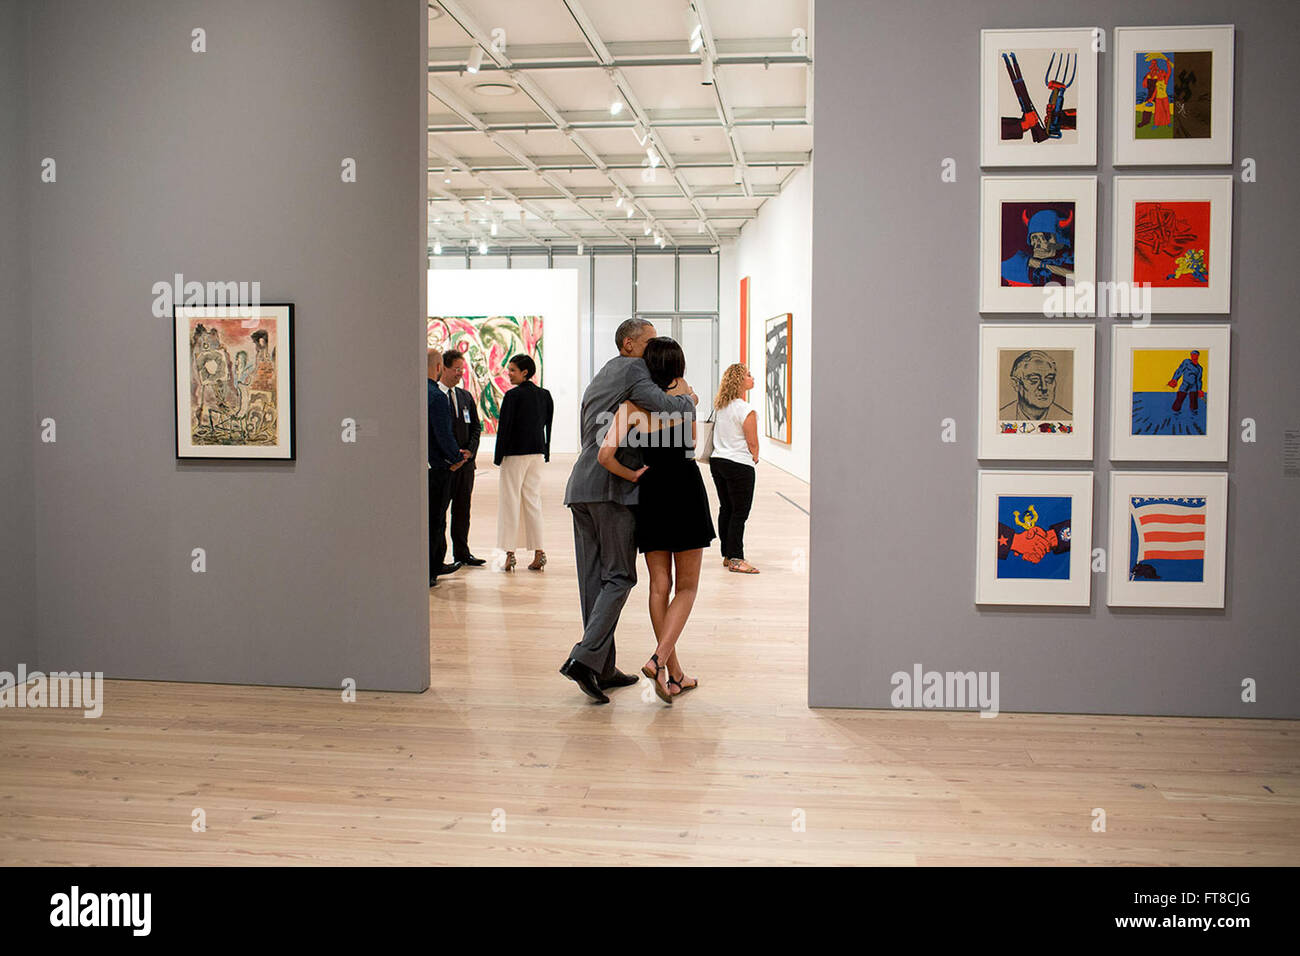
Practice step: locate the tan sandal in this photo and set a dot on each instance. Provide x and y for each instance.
(741, 566)
(539, 561)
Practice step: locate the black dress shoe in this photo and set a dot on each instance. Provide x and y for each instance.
(473, 562)
(433, 582)
(585, 678)
(618, 680)
(449, 568)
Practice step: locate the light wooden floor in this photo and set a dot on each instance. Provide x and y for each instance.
(295, 776)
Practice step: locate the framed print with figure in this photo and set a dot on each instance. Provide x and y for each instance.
(1038, 97)
(1034, 538)
(1168, 539)
(234, 386)
(1169, 393)
(1173, 95)
(1038, 244)
(1036, 392)
(1173, 239)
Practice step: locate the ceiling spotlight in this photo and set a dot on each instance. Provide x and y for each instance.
(615, 107)
(713, 249)
(482, 247)
(699, 227)
(446, 178)
(580, 248)
(437, 248)
(641, 133)
(737, 175)
(694, 28)
(467, 217)
(629, 210)
(647, 228)
(475, 58)
(706, 71)
(653, 156)
(523, 216)
(494, 227)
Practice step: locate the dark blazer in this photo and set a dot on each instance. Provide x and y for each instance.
(467, 432)
(443, 450)
(524, 427)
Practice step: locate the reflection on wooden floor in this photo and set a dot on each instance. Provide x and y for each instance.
(294, 776)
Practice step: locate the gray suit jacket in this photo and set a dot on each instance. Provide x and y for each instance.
(622, 378)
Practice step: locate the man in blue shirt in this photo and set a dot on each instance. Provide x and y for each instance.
(444, 458)
(1192, 373)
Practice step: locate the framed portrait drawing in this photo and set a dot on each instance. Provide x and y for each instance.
(1036, 392)
(1168, 539)
(1173, 239)
(1034, 538)
(1038, 245)
(1038, 97)
(234, 381)
(1173, 95)
(780, 376)
(1169, 398)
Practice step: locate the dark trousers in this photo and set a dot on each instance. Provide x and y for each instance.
(1194, 396)
(439, 499)
(604, 538)
(462, 487)
(735, 484)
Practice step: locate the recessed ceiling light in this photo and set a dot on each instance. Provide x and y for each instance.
(495, 89)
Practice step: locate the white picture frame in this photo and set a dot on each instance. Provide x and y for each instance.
(1033, 54)
(1141, 428)
(1181, 201)
(1024, 199)
(1180, 514)
(1058, 551)
(1027, 365)
(1212, 44)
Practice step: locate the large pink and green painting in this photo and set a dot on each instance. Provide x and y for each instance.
(488, 342)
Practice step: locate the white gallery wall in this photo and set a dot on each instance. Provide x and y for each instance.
(550, 293)
(775, 251)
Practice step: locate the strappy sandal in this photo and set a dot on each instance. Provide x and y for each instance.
(735, 565)
(539, 561)
(682, 688)
(510, 561)
(660, 689)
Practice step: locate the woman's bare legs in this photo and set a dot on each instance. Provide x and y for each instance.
(660, 564)
(686, 580)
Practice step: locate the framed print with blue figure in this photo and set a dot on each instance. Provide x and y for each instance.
(1168, 539)
(1169, 399)
(1038, 245)
(1034, 538)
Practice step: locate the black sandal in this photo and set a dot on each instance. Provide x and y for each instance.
(645, 668)
(682, 688)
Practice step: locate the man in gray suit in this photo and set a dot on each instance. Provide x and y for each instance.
(603, 526)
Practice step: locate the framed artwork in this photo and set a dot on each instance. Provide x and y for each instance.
(234, 381)
(1036, 392)
(1173, 95)
(780, 376)
(1038, 97)
(1034, 538)
(1168, 539)
(1173, 238)
(1169, 396)
(488, 342)
(1039, 244)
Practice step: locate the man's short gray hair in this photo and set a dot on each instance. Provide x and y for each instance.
(629, 329)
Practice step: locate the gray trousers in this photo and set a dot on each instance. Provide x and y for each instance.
(605, 543)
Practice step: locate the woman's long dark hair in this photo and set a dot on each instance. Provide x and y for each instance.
(665, 360)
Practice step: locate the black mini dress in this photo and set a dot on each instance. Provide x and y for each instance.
(672, 510)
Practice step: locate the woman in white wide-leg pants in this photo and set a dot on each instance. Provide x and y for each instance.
(523, 446)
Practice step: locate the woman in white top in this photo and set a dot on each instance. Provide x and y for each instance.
(735, 453)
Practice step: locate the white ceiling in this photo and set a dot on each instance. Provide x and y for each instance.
(545, 161)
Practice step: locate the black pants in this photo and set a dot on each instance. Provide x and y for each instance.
(462, 487)
(439, 499)
(735, 484)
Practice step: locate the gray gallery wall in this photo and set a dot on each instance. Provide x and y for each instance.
(225, 166)
(895, 350)
(17, 633)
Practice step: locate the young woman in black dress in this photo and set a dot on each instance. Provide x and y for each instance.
(673, 523)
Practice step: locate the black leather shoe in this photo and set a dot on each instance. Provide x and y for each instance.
(473, 562)
(433, 582)
(585, 678)
(449, 568)
(618, 680)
